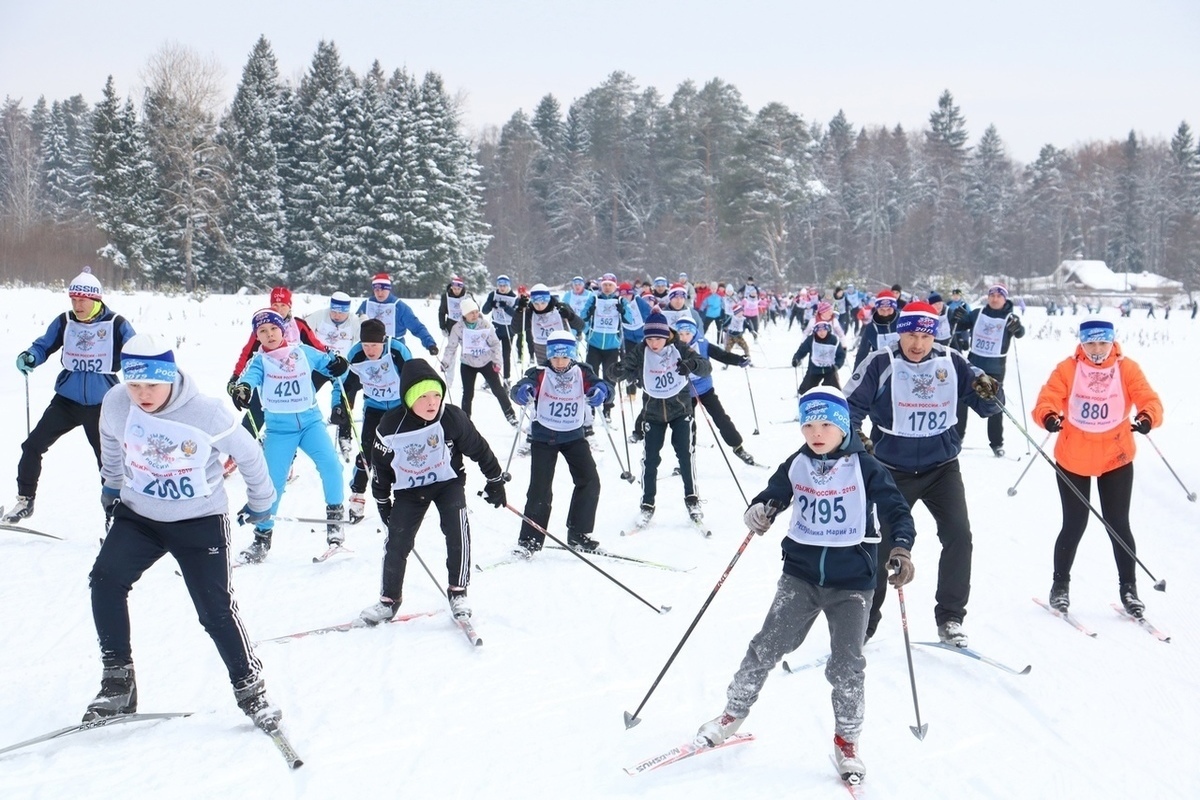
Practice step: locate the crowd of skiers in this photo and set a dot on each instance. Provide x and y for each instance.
(888, 437)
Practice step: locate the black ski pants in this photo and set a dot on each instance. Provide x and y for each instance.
(362, 464)
(581, 516)
(504, 334)
(491, 377)
(941, 489)
(201, 548)
(61, 416)
(995, 423)
(716, 412)
(813, 378)
(408, 511)
(1116, 491)
(604, 364)
(682, 439)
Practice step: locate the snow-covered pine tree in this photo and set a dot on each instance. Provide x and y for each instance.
(991, 187)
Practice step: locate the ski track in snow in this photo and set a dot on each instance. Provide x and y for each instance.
(413, 710)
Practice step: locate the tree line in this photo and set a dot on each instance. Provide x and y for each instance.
(322, 182)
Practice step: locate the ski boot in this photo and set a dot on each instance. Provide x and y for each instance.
(717, 730)
(741, 453)
(458, 603)
(693, 508)
(118, 693)
(22, 509)
(998, 451)
(357, 508)
(251, 695)
(849, 765)
(256, 553)
(1129, 599)
(1060, 599)
(582, 542)
(383, 611)
(644, 515)
(526, 549)
(333, 531)
(951, 632)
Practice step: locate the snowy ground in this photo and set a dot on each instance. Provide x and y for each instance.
(413, 710)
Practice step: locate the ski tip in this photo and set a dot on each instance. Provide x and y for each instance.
(786, 668)
(920, 731)
(630, 720)
(1026, 671)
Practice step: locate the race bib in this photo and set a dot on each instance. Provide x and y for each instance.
(454, 307)
(380, 379)
(924, 397)
(474, 342)
(287, 381)
(545, 324)
(660, 378)
(502, 309)
(987, 337)
(823, 355)
(385, 313)
(420, 457)
(165, 459)
(830, 508)
(560, 401)
(607, 316)
(338, 337)
(88, 348)
(1097, 401)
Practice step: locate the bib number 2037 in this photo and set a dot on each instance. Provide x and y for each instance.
(170, 489)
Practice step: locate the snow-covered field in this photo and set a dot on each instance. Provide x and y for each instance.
(412, 710)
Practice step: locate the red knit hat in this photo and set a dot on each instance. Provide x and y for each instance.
(381, 279)
(918, 317)
(281, 294)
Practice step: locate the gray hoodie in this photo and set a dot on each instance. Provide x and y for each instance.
(186, 406)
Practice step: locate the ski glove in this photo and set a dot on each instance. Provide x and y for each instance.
(338, 416)
(597, 395)
(1052, 423)
(986, 386)
(758, 517)
(1013, 325)
(233, 382)
(247, 514)
(433, 349)
(795, 363)
(241, 396)
(26, 362)
(338, 366)
(109, 499)
(1141, 423)
(494, 492)
(959, 314)
(867, 444)
(900, 561)
(385, 509)
(522, 394)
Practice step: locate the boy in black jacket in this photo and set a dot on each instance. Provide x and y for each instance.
(661, 365)
(826, 355)
(830, 562)
(418, 459)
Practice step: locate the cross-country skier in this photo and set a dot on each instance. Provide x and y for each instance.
(992, 327)
(481, 355)
(825, 354)
(501, 304)
(703, 391)
(395, 314)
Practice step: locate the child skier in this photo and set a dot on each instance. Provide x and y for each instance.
(830, 563)
(338, 330)
(661, 365)
(736, 328)
(826, 356)
(482, 355)
(282, 375)
(90, 337)
(880, 333)
(1087, 400)
(377, 361)
(543, 316)
(560, 388)
(163, 493)
(417, 460)
(501, 303)
(702, 385)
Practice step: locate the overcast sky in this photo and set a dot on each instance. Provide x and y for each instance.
(1043, 71)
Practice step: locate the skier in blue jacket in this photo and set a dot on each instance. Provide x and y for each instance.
(394, 313)
(90, 337)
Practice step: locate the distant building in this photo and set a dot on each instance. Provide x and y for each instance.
(1095, 279)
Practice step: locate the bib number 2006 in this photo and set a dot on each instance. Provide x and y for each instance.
(170, 489)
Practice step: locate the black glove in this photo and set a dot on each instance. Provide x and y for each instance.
(494, 492)
(248, 515)
(1013, 325)
(338, 366)
(241, 396)
(338, 416)
(233, 382)
(959, 314)
(109, 499)
(385, 509)
(986, 386)
(795, 363)
(868, 445)
(1141, 423)
(433, 349)
(1052, 423)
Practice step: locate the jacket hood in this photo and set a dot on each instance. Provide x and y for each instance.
(415, 371)
(182, 390)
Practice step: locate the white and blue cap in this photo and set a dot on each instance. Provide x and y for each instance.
(339, 301)
(578, 279)
(685, 324)
(540, 293)
(503, 279)
(825, 404)
(144, 359)
(560, 344)
(1096, 330)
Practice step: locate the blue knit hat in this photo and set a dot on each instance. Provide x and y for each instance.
(825, 404)
(1096, 330)
(146, 360)
(656, 325)
(340, 302)
(267, 316)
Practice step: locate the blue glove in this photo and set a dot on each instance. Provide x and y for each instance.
(248, 514)
(26, 362)
(522, 394)
(597, 395)
(109, 499)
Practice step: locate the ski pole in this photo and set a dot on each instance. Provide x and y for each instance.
(1020, 389)
(626, 475)
(520, 424)
(717, 439)
(27, 428)
(1012, 490)
(1191, 496)
(1159, 586)
(624, 430)
(632, 719)
(918, 729)
(752, 408)
(577, 554)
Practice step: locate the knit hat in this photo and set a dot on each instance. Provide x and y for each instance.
(560, 344)
(372, 331)
(503, 279)
(998, 288)
(825, 404)
(824, 308)
(686, 324)
(467, 306)
(85, 285)
(339, 301)
(934, 297)
(625, 288)
(822, 326)
(660, 281)
(577, 279)
(918, 317)
(267, 316)
(456, 281)
(540, 293)
(608, 277)
(144, 359)
(281, 294)
(885, 298)
(381, 281)
(1096, 330)
(677, 290)
(420, 388)
(656, 326)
